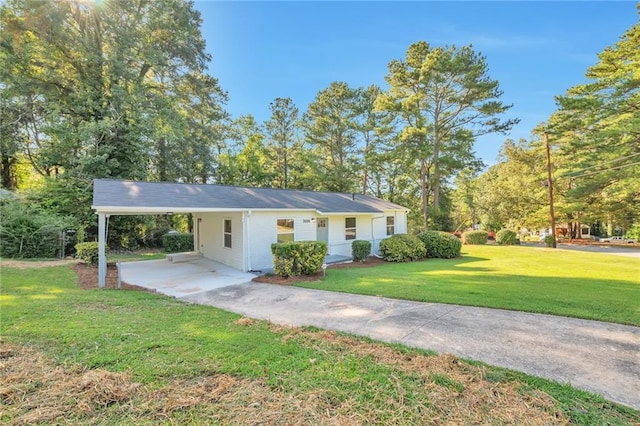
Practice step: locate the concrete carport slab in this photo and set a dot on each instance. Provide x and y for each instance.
(184, 278)
(598, 357)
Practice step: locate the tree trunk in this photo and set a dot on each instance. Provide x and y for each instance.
(424, 193)
(8, 173)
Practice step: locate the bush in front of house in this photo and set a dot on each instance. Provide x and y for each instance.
(298, 257)
(402, 248)
(475, 237)
(88, 252)
(506, 237)
(360, 250)
(440, 244)
(176, 243)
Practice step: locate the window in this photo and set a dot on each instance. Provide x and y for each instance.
(227, 233)
(391, 225)
(349, 228)
(285, 230)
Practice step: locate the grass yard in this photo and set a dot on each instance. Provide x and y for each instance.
(131, 357)
(560, 282)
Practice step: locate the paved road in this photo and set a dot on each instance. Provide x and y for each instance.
(598, 357)
(616, 250)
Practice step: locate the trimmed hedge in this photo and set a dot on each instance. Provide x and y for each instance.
(475, 237)
(298, 257)
(360, 250)
(402, 248)
(176, 243)
(506, 237)
(440, 244)
(88, 252)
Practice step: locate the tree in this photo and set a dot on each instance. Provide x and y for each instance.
(109, 89)
(511, 193)
(330, 128)
(443, 99)
(598, 124)
(281, 133)
(373, 128)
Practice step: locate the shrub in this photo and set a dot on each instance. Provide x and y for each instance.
(27, 231)
(88, 252)
(506, 237)
(548, 241)
(402, 248)
(360, 250)
(175, 243)
(298, 257)
(475, 237)
(440, 244)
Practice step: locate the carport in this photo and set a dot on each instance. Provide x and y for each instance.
(187, 277)
(118, 198)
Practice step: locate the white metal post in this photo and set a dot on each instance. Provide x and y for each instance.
(102, 258)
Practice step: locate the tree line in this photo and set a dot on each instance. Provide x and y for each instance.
(123, 89)
(594, 139)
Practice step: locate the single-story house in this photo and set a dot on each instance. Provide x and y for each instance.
(236, 225)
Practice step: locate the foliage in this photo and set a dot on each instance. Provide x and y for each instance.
(298, 257)
(444, 98)
(475, 237)
(330, 128)
(88, 252)
(440, 244)
(506, 237)
(177, 242)
(281, 131)
(106, 89)
(549, 240)
(402, 248)
(597, 130)
(499, 199)
(360, 250)
(27, 231)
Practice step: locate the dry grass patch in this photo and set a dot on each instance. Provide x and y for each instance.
(36, 391)
(457, 392)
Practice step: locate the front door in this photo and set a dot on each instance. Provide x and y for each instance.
(323, 229)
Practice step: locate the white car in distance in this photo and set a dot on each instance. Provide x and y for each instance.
(618, 240)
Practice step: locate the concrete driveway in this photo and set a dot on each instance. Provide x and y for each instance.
(598, 357)
(195, 275)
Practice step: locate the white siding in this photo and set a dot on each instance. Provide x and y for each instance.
(262, 230)
(338, 244)
(212, 238)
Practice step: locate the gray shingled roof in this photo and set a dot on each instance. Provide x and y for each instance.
(125, 196)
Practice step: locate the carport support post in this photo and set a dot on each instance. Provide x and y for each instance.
(102, 258)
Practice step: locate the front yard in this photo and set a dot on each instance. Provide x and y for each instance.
(560, 282)
(130, 357)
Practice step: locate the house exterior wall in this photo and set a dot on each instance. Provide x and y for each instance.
(262, 232)
(371, 228)
(253, 232)
(211, 238)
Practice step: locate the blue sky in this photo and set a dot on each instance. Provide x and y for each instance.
(536, 50)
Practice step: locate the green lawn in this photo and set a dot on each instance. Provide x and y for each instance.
(560, 282)
(197, 365)
(135, 256)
